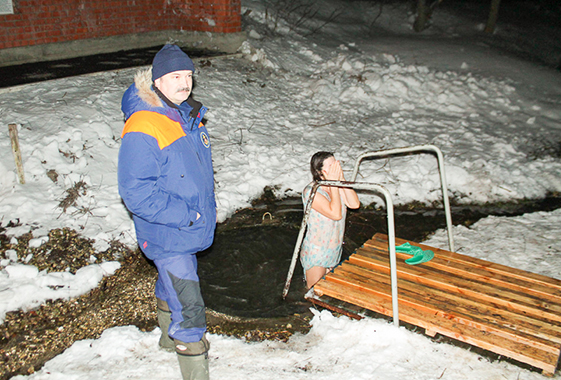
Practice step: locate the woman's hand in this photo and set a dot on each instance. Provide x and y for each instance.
(334, 172)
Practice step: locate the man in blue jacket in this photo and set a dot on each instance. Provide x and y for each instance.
(166, 181)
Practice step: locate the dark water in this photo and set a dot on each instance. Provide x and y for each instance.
(244, 272)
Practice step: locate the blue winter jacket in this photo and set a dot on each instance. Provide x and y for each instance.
(165, 173)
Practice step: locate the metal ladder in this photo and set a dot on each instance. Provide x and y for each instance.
(390, 213)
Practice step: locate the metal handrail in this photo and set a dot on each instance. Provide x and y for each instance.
(440, 159)
(391, 235)
(390, 213)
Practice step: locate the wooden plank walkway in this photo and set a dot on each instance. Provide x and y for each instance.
(507, 311)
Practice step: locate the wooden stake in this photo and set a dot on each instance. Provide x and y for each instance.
(16, 151)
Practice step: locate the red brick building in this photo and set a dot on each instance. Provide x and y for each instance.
(33, 30)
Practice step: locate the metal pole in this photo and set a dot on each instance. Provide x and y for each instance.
(440, 159)
(391, 235)
(299, 241)
(389, 204)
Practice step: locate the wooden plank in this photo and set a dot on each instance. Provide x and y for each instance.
(429, 276)
(359, 295)
(504, 310)
(547, 303)
(553, 284)
(477, 273)
(336, 309)
(450, 306)
(471, 273)
(513, 301)
(442, 298)
(550, 298)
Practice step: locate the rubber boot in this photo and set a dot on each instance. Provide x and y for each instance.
(164, 320)
(193, 367)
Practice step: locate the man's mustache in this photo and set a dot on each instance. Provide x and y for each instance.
(183, 89)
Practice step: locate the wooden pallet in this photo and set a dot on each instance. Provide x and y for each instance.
(507, 311)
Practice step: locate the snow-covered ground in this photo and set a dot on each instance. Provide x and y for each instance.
(347, 88)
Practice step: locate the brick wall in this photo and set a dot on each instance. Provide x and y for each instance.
(36, 22)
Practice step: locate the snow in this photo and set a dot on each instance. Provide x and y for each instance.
(334, 347)
(496, 118)
(24, 287)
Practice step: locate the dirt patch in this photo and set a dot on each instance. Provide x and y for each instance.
(31, 338)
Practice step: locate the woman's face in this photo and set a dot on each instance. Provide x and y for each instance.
(327, 165)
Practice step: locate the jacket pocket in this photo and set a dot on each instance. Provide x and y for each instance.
(185, 239)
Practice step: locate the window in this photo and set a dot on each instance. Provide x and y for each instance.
(6, 7)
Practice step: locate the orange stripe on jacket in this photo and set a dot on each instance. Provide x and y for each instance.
(164, 130)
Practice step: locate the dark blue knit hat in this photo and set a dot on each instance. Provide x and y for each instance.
(170, 58)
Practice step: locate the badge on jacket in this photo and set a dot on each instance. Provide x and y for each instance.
(205, 140)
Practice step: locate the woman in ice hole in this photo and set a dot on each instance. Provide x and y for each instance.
(323, 243)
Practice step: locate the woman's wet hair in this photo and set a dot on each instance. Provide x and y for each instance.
(316, 164)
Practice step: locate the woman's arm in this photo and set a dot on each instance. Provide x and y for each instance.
(330, 209)
(349, 195)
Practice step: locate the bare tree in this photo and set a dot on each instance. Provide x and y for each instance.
(424, 13)
(493, 15)
(422, 16)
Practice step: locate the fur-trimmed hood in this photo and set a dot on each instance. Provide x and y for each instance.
(140, 95)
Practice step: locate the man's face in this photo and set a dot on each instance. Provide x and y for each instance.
(176, 86)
